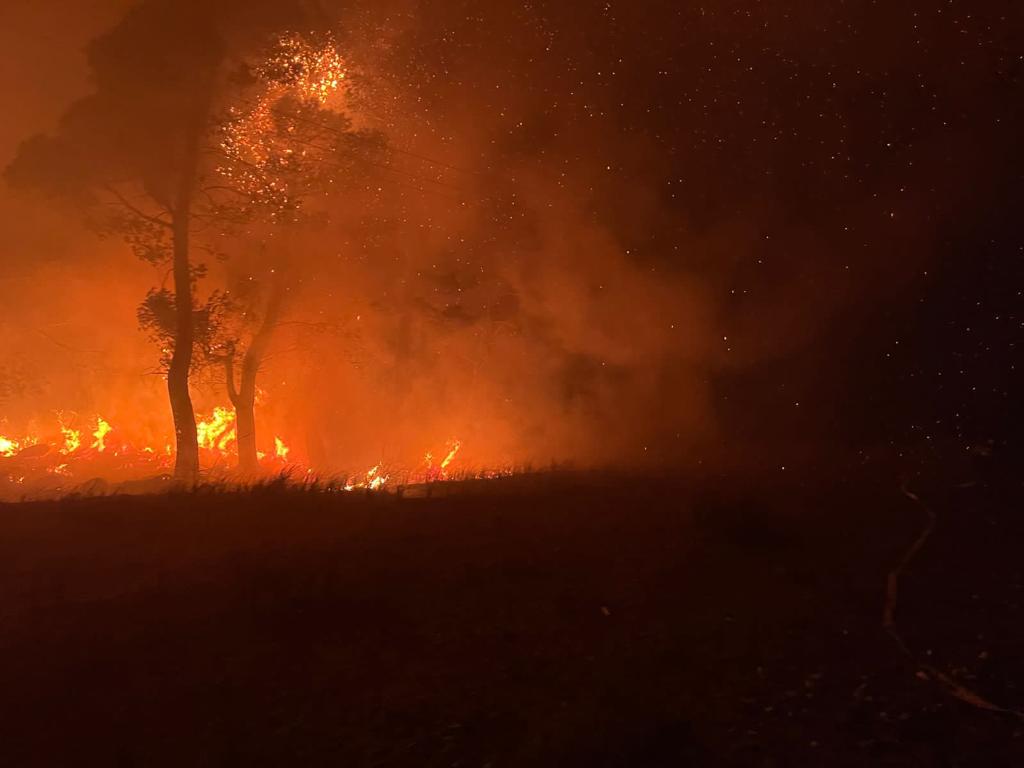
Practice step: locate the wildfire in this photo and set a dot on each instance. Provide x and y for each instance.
(432, 471)
(453, 448)
(61, 457)
(373, 480)
(258, 140)
(8, 447)
(100, 435)
(376, 479)
(280, 449)
(313, 72)
(218, 431)
(72, 438)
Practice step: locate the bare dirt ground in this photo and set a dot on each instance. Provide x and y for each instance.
(560, 621)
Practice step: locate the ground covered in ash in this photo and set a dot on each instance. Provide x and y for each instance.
(560, 621)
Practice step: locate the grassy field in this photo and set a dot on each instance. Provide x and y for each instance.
(566, 621)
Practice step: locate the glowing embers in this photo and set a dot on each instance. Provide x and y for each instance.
(313, 72)
(260, 140)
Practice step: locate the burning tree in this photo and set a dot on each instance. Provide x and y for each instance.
(282, 148)
(158, 316)
(134, 156)
(130, 156)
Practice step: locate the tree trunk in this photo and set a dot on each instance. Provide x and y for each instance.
(245, 425)
(244, 397)
(186, 463)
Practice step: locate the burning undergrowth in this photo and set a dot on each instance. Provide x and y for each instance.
(91, 455)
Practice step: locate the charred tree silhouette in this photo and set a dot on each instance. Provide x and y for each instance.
(186, 462)
(243, 396)
(283, 146)
(129, 156)
(133, 156)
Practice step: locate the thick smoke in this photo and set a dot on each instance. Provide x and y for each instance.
(623, 234)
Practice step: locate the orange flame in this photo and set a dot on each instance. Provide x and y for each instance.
(374, 480)
(217, 437)
(453, 448)
(433, 472)
(280, 449)
(8, 446)
(102, 429)
(72, 438)
(218, 431)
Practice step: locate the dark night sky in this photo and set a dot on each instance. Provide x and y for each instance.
(844, 179)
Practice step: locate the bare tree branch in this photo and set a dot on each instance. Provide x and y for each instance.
(135, 210)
